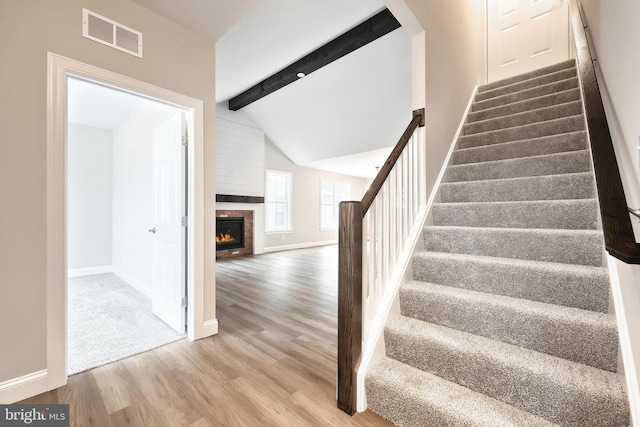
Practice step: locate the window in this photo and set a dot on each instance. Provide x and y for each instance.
(278, 201)
(331, 194)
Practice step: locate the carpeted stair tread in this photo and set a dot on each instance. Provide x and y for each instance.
(545, 187)
(529, 75)
(578, 286)
(562, 214)
(583, 247)
(534, 130)
(507, 316)
(581, 336)
(548, 164)
(557, 111)
(407, 397)
(556, 389)
(535, 92)
(527, 84)
(526, 105)
(573, 141)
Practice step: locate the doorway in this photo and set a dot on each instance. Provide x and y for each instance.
(523, 35)
(59, 70)
(126, 198)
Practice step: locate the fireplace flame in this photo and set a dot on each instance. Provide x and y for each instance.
(224, 238)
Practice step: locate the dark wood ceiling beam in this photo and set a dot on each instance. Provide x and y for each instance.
(370, 30)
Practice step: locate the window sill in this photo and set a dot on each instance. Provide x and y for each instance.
(278, 231)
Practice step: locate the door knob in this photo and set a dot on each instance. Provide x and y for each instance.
(153, 230)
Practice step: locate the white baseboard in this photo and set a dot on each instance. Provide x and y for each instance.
(626, 300)
(135, 283)
(209, 327)
(299, 246)
(77, 272)
(23, 387)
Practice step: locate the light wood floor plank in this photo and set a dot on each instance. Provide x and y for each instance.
(272, 364)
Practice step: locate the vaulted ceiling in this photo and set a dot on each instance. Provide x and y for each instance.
(344, 117)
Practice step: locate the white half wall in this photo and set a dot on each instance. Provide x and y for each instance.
(89, 197)
(133, 193)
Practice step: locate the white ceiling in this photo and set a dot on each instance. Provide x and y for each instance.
(357, 104)
(363, 165)
(93, 105)
(103, 107)
(276, 33)
(344, 117)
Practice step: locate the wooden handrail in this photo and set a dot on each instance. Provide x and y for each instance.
(350, 274)
(616, 223)
(349, 303)
(378, 182)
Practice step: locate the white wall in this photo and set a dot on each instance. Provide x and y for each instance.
(305, 200)
(89, 192)
(615, 32)
(133, 193)
(239, 154)
(242, 142)
(237, 138)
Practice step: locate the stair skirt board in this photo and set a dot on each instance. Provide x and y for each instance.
(504, 321)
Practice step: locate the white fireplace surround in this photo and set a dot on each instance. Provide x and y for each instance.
(258, 221)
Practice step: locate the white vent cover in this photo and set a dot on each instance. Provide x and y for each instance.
(104, 30)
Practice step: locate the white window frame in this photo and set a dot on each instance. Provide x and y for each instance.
(269, 227)
(324, 226)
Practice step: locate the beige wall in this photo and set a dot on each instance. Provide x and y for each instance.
(174, 58)
(454, 56)
(305, 200)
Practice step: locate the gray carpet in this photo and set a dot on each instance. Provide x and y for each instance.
(506, 322)
(108, 320)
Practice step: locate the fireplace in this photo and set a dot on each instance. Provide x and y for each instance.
(234, 233)
(229, 233)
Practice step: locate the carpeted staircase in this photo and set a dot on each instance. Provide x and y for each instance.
(506, 321)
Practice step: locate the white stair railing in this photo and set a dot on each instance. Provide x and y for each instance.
(372, 235)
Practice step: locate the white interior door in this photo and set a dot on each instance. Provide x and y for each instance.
(168, 280)
(523, 35)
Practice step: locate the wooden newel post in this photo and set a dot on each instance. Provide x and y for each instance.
(349, 303)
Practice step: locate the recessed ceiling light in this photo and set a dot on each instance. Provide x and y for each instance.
(300, 75)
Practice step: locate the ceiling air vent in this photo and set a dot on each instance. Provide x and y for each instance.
(104, 30)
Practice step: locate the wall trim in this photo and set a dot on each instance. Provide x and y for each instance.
(58, 70)
(89, 271)
(20, 388)
(299, 246)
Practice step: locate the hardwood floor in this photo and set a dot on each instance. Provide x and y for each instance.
(272, 364)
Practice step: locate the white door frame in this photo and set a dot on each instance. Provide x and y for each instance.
(58, 69)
